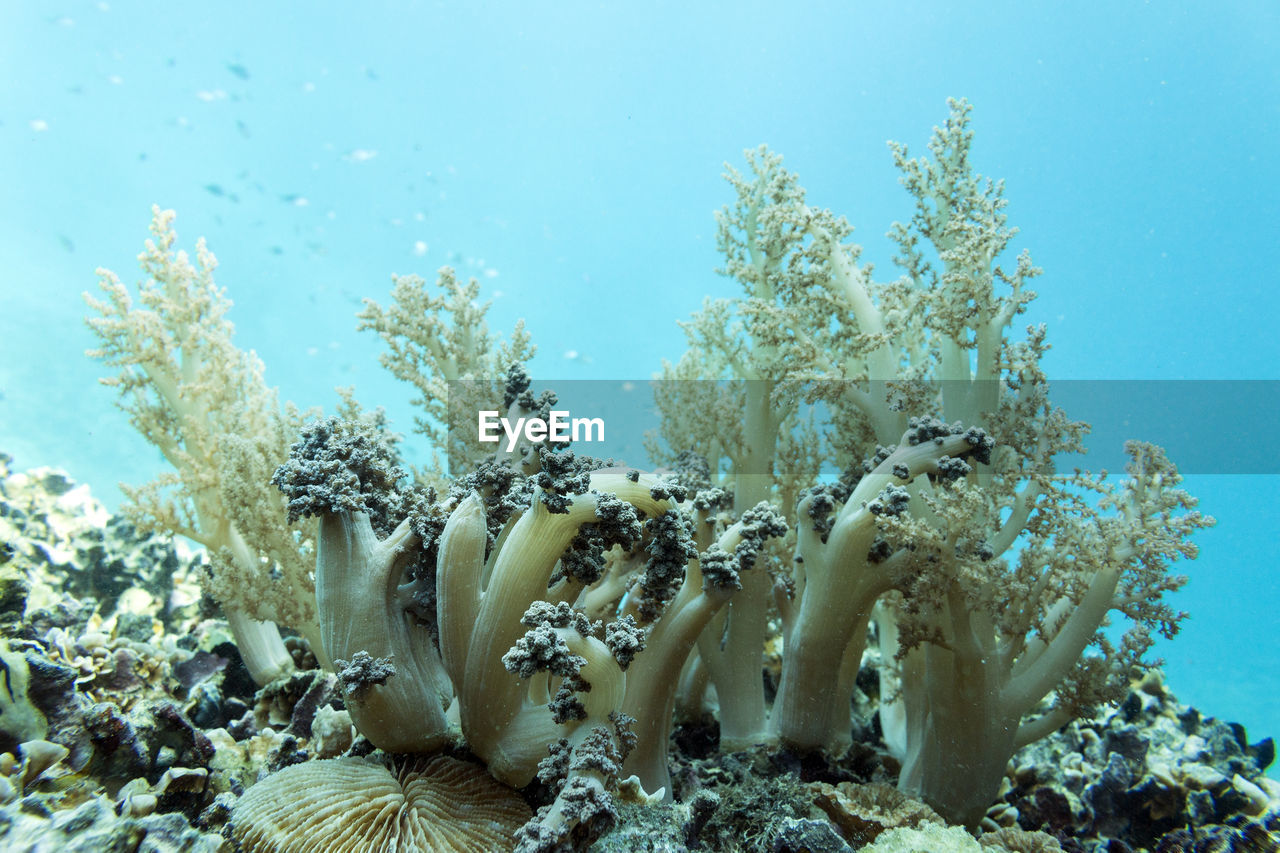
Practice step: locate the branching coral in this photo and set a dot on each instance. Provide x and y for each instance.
(660, 599)
(846, 568)
(562, 609)
(203, 403)
(923, 531)
(503, 719)
(979, 645)
(440, 343)
(515, 559)
(344, 473)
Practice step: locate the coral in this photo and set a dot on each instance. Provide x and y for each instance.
(189, 391)
(33, 758)
(440, 343)
(863, 812)
(1182, 748)
(1017, 841)
(20, 719)
(60, 541)
(1138, 772)
(344, 473)
(95, 826)
(561, 610)
(987, 574)
(354, 804)
(934, 837)
(331, 732)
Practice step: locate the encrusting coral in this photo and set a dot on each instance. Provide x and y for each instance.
(562, 613)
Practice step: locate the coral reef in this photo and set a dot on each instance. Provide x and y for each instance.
(880, 627)
(165, 760)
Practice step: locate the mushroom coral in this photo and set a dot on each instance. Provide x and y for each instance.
(360, 805)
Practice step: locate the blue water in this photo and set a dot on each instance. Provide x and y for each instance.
(569, 155)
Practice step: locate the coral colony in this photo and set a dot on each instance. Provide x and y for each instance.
(903, 590)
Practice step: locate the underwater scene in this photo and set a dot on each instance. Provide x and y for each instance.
(440, 426)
